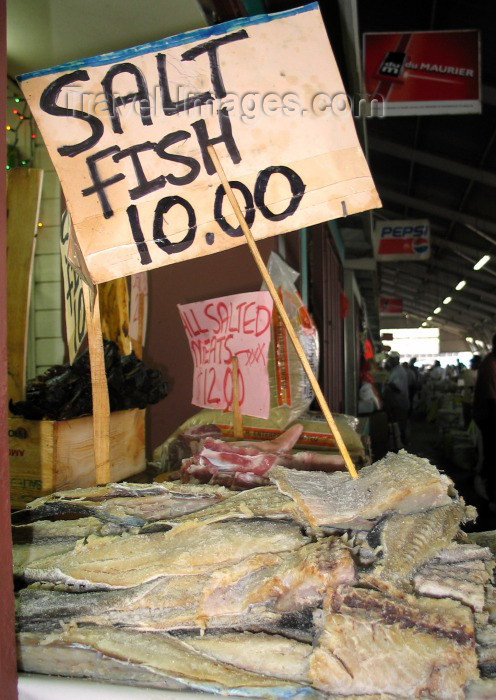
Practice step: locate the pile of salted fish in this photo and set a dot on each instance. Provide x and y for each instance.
(315, 586)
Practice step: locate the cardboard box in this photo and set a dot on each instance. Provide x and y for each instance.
(47, 456)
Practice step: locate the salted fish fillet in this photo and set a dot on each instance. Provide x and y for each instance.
(271, 655)
(285, 582)
(354, 655)
(262, 502)
(482, 689)
(164, 604)
(256, 593)
(442, 618)
(129, 504)
(24, 555)
(172, 662)
(457, 553)
(192, 548)
(42, 530)
(408, 541)
(400, 483)
(454, 582)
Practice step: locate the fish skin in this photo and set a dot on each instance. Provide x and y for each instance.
(335, 499)
(408, 541)
(169, 660)
(191, 548)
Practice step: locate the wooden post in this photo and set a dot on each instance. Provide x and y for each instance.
(99, 388)
(282, 311)
(237, 416)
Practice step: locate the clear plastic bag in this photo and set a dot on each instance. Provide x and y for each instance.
(290, 389)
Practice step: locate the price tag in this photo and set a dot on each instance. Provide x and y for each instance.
(219, 329)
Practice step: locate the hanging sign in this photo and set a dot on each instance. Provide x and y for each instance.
(219, 329)
(402, 240)
(75, 317)
(434, 72)
(390, 305)
(128, 134)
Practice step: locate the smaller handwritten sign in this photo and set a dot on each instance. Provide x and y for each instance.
(219, 329)
(75, 318)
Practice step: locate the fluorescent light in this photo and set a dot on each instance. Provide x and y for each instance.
(469, 339)
(460, 285)
(447, 300)
(425, 324)
(437, 311)
(429, 318)
(485, 259)
(479, 343)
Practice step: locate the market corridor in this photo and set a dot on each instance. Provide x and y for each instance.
(426, 441)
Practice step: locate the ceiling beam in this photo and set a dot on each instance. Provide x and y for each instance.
(447, 165)
(478, 311)
(467, 306)
(437, 210)
(424, 275)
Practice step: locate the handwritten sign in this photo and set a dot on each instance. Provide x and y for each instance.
(75, 317)
(128, 133)
(219, 329)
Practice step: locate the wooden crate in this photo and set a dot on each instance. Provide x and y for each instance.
(48, 456)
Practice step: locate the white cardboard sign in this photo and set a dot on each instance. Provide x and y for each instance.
(128, 134)
(219, 329)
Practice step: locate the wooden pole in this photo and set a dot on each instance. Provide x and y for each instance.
(237, 416)
(282, 312)
(99, 387)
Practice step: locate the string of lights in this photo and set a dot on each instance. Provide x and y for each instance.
(20, 122)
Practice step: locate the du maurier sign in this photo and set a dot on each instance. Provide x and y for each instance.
(128, 135)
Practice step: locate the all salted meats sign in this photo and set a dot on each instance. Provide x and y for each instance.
(220, 329)
(128, 135)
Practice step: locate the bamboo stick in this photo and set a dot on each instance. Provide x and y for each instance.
(99, 388)
(280, 308)
(237, 416)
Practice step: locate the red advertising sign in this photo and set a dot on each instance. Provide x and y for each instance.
(423, 72)
(402, 240)
(219, 329)
(390, 305)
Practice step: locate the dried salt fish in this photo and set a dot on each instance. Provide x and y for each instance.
(337, 500)
(263, 502)
(365, 653)
(286, 582)
(443, 618)
(132, 505)
(408, 541)
(192, 548)
(42, 530)
(481, 689)
(169, 662)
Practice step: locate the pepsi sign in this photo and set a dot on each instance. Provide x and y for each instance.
(402, 240)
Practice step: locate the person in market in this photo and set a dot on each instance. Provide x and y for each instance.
(484, 414)
(395, 395)
(412, 382)
(469, 377)
(437, 372)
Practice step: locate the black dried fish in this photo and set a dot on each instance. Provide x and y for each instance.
(64, 391)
